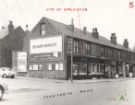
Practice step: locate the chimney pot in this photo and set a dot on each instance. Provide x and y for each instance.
(95, 29)
(95, 33)
(113, 38)
(10, 22)
(85, 30)
(125, 43)
(27, 26)
(10, 26)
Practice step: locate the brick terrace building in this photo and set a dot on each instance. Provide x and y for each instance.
(49, 52)
(11, 41)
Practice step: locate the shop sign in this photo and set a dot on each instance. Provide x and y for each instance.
(46, 45)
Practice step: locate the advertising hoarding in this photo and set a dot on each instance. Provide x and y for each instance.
(22, 61)
(47, 45)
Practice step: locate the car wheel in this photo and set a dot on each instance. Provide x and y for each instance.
(1, 92)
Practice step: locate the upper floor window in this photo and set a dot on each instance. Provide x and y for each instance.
(119, 55)
(43, 29)
(111, 53)
(76, 47)
(102, 51)
(88, 48)
(93, 49)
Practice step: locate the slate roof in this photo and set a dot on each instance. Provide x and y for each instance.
(3, 32)
(64, 29)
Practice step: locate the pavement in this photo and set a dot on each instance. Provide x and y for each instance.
(83, 81)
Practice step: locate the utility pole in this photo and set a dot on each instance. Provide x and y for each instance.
(72, 24)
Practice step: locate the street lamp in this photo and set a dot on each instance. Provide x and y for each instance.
(72, 24)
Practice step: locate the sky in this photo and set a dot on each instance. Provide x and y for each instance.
(109, 16)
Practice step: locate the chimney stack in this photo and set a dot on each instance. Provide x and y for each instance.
(113, 38)
(125, 43)
(95, 33)
(134, 48)
(85, 30)
(27, 27)
(10, 27)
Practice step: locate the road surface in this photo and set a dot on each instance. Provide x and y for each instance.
(36, 92)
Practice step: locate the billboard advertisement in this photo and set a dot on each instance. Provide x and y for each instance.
(22, 61)
(49, 45)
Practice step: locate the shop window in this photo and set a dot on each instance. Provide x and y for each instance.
(98, 68)
(89, 68)
(94, 68)
(83, 69)
(75, 69)
(102, 68)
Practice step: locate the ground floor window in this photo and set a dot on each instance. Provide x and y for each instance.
(59, 66)
(94, 68)
(102, 67)
(46, 66)
(120, 70)
(35, 67)
(40, 66)
(82, 68)
(75, 69)
(50, 66)
(87, 68)
(55, 66)
(30, 67)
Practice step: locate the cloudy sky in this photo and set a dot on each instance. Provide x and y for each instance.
(109, 16)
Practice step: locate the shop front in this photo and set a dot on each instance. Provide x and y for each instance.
(87, 68)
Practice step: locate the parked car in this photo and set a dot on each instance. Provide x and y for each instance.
(7, 72)
(3, 90)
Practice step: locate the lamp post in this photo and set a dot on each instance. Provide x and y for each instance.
(72, 24)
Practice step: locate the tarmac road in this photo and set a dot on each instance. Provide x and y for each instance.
(29, 91)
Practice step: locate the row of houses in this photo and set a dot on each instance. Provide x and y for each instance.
(48, 47)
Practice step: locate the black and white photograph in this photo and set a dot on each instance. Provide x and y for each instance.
(67, 52)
